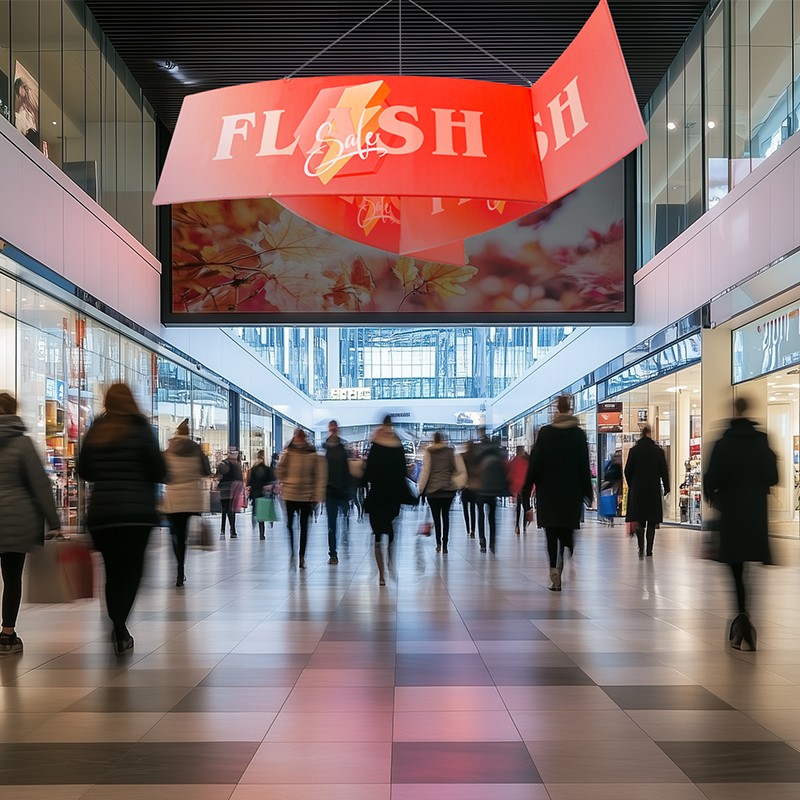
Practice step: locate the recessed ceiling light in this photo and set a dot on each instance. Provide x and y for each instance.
(54, 122)
(712, 124)
(670, 126)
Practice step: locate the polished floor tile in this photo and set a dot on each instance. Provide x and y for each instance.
(463, 679)
(731, 762)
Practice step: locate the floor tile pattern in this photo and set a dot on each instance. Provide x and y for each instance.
(463, 678)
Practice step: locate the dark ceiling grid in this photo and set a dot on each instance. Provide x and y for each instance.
(218, 43)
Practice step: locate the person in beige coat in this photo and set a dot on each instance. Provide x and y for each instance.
(303, 475)
(186, 494)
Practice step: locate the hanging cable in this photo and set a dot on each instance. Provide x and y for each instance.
(469, 41)
(339, 39)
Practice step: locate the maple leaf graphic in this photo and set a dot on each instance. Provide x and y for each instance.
(291, 287)
(406, 271)
(353, 285)
(444, 279)
(294, 238)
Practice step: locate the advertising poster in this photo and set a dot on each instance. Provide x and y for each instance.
(26, 103)
(609, 417)
(239, 259)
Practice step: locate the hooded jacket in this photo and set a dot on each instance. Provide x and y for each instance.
(559, 469)
(386, 474)
(124, 471)
(741, 470)
(443, 471)
(26, 496)
(187, 466)
(302, 473)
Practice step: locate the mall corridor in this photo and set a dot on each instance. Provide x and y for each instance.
(463, 678)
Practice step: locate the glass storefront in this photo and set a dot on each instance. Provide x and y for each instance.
(59, 363)
(671, 407)
(766, 370)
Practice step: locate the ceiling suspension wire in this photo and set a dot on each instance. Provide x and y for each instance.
(339, 39)
(469, 41)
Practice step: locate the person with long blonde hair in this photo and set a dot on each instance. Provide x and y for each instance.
(120, 457)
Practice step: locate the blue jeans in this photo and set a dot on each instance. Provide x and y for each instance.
(332, 506)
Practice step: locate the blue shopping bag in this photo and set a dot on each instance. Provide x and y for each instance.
(608, 505)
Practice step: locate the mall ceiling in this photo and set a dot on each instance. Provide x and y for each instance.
(214, 43)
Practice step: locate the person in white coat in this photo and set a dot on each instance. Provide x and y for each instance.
(443, 474)
(185, 495)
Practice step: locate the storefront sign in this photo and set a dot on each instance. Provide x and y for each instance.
(411, 165)
(351, 394)
(609, 417)
(768, 344)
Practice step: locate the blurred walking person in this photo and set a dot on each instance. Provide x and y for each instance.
(303, 475)
(121, 459)
(517, 472)
(741, 470)
(492, 484)
(185, 493)
(646, 473)
(230, 483)
(260, 480)
(443, 473)
(559, 469)
(385, 475)
(26, 506)
(468, 504)
(339, 486)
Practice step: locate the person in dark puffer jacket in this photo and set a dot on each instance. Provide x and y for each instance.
(121, 458)
(26, 502)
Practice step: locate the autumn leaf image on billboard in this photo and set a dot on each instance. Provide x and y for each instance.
(253, 256)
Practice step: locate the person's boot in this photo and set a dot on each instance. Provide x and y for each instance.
(555, 579)
(379, 562)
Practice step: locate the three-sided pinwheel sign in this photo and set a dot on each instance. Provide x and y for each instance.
(411, 165)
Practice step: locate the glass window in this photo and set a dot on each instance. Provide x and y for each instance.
(148, 179)
(716, 56)
(94, 118)
(694, 128)
(50, 63)
(5, 59)
(108, 129)
(210, 418)
(658, 168)
(129, 152)
(770, 76)
(676, 149)
(74, 119)
(25, 94)
(796, 82)
(740, 92)
(137, 368)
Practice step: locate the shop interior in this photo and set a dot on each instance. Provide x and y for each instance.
(671, 406)
(775, 405)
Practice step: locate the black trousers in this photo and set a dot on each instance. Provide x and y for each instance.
(303, 509)
(558, 540)
(440, 508)
(11, 565)
(646, 535)
(469, 508)
(178, 528)
(489, 503)
(123, 552)
(229, 513)
(737, 568)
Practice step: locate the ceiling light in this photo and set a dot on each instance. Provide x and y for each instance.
(712, 124)
(54, 122)
(670, 126)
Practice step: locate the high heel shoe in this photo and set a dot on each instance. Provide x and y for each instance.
(743, 635)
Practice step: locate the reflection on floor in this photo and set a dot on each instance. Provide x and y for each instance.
(463, 678)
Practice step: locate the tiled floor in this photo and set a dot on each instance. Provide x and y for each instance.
(462, 679)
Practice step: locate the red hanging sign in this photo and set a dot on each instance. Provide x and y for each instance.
(411, 165)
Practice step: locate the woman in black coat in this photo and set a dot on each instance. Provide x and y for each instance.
(121, 458)
(741, 470)
(646, 472)
(385, 474)
(559, 470)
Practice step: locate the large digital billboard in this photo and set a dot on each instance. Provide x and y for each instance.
(252, 261)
